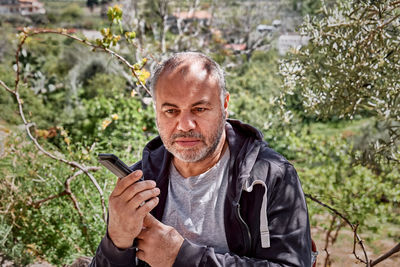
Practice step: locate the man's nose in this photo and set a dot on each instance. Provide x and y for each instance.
(186, 122)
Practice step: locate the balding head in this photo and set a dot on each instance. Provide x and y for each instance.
(186, 62)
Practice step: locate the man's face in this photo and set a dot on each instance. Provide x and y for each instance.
(190, 117)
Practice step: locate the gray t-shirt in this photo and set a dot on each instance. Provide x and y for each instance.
(195, 205)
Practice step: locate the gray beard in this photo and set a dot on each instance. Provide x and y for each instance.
(196, 155)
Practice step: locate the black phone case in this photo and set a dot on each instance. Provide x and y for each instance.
(114, 164)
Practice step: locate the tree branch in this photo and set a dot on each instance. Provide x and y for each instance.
(394, 250)
(21, 43)
(353, 227)
(327, 237)
(67, 189)
(358, 240)
(6, 87)
(35, 141)
(86, 42)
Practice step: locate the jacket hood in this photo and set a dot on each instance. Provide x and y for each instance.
(240, 136)
(244, 144)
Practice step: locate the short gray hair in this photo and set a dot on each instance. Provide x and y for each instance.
(178, 58)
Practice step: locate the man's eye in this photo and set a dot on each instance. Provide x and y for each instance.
(170, 111)
(199, 109)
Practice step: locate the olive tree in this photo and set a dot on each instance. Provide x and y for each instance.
(350, 69)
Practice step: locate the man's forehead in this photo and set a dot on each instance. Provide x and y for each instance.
(189, 68)
(202, 102)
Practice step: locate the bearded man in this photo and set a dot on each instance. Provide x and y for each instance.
(214, 193)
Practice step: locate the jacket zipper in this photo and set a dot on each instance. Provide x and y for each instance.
(247, 244)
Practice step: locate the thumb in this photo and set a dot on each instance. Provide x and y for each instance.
(150, 221)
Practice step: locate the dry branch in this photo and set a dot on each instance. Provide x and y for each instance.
(353, 227)
(66, 191)
(82, 169)
(73, 164)
(357, 239)
(394, 250)
(95, 47)
(327, 238)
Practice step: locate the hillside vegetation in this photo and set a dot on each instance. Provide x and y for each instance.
(73, 83)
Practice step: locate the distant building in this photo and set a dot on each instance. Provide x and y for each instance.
(288, 41)
(22, 7)
(202, 17)
(235, 47)
(276, 23)
(265, 28)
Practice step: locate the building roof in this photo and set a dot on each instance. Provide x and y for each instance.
(235, 47)
(201, 14)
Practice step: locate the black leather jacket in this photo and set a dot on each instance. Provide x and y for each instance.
(266, 218)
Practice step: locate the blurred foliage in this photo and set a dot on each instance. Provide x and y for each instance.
(53, 231)
(114, 123)
(350, 68)
(72, 13)
(85, 103)
(354, 190)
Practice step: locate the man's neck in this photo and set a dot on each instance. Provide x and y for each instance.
(188, 169)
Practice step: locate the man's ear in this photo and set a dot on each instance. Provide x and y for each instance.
(226, 104)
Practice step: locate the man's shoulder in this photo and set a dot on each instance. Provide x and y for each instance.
(268, 154)
(272, 160)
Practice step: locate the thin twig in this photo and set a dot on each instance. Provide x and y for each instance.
(353, 227)
(6, 87)
(73, 164)
(358, 240)
(21, 43)
(39, 203)
(392, 251)
(67, 188)
(328, 236)
(68, 192)
(86, 42)
(330, 208)
(327, 257)
(334, 238)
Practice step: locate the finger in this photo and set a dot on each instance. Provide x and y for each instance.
(147, 206)
(140, 198)
(141, 237)
(140, 190)
(150, 221)
(124, 183)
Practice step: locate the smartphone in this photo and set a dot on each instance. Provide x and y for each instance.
(114, 164)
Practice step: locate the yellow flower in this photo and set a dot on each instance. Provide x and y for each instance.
(105, 123)
(114, 116)
(143, 75)
(67, 140)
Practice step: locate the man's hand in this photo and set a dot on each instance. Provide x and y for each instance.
(126, 214)
(158, 244)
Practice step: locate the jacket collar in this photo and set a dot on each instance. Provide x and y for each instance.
(241, 139)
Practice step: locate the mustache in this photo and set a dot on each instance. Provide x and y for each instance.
(187, 135)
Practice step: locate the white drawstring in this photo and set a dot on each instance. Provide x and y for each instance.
(264, 232)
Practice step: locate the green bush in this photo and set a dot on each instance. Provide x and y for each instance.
(113, 123)
(54, 231)
(326, 168)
